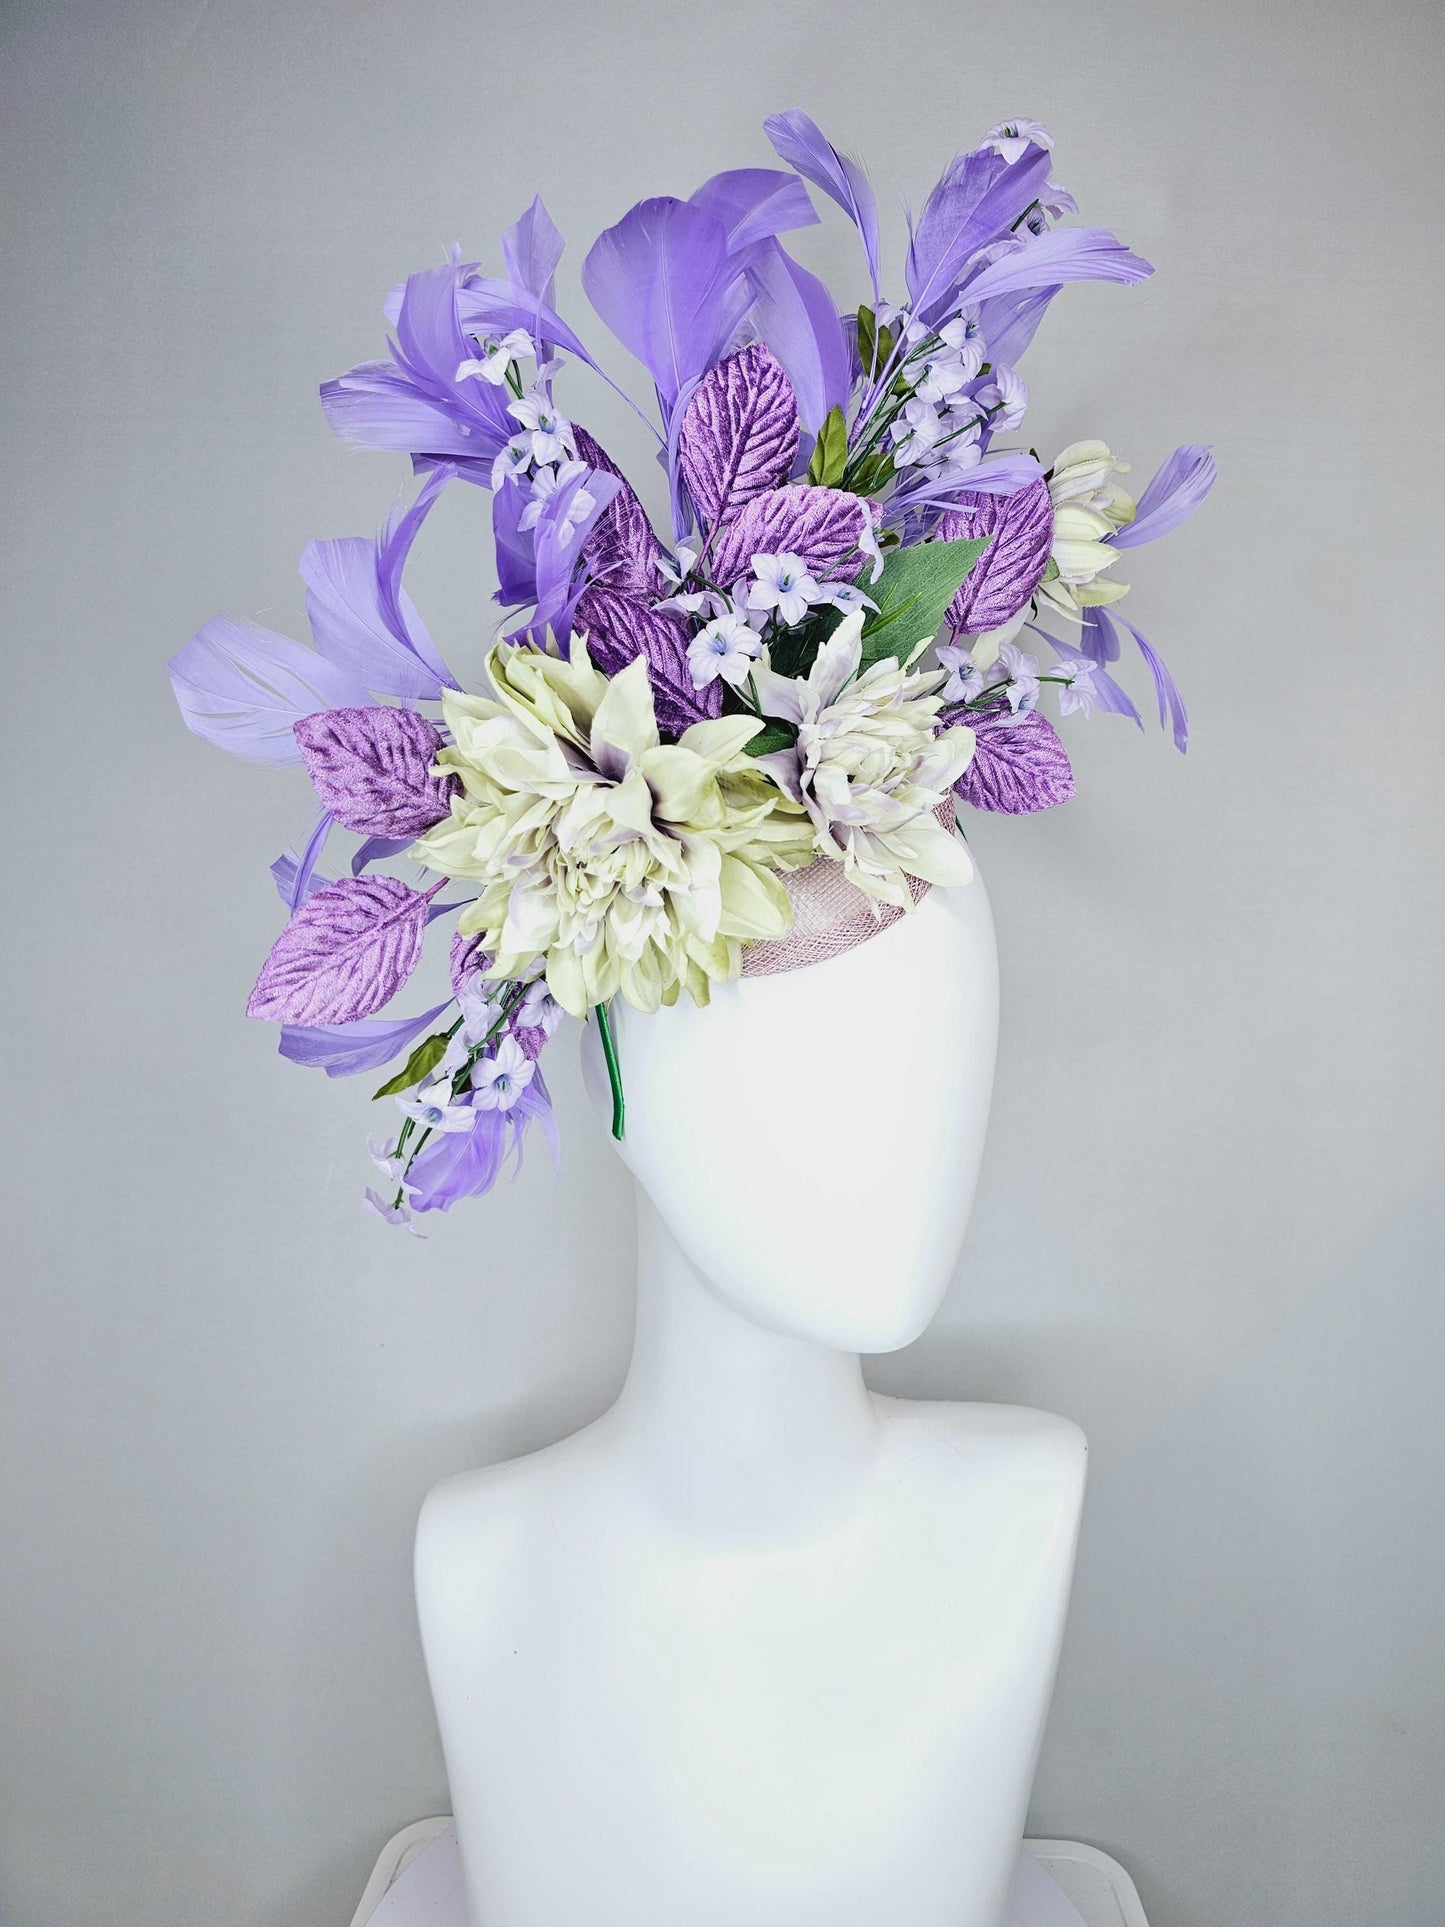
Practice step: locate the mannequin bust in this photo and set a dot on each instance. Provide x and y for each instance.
(758, 1648)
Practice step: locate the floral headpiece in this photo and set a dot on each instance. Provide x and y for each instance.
(713, 754)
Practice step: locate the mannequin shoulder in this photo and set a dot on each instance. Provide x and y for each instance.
(475, 1525)
(958, 1443)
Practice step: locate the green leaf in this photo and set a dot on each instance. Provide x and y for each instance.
(774, 736)
(830, 454)
(913, 594)
(867, 339)
(427, 1055)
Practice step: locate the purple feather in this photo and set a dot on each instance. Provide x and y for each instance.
(461, 1164)
(1019, 765)
(1171, 703)
(663, 281)
(376, 849)
(346, 951)
(531, 248)
(798, 140)
(619, 629)
(1010, 321)
(739, 432)
(796, 316)
(362, 619)
(1171, 497)
(343, 1050)
(560, 537)
(372, 769)
(243, 688)
(513, 547)
(622, 549)
(1010, 568)
(821, 526)
(754, 204)
(978, 199)
(1058, 255)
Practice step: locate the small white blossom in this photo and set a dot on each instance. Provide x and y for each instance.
(727, 647)
(965, 678)
(846, 596)
(496, 357)
(540, 1009)
(545, 484)
(782, 582)
(550, 430)
(1075, 679)
(1006, 398)
(391, 1213)
(942, 375)
(916, 434)
(1022, 688)
(497, 1082)
(434, 1107)
(1013, 138)
(514, 462)
(965, 337)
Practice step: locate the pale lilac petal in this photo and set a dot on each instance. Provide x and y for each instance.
(1020, 528)
(739, 432)
(343, 1050)
(1019, 765)
(1171, 497)
(823, 527)
(798, 140)
(372, 768)
(560, 535)
(796, 316)
(1098, 646)
(346, 951)
(243, 688)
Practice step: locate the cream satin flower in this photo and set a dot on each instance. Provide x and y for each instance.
(629, 865)
(1088, 507)
(868, 766)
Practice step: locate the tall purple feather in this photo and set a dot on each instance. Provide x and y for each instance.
(243, 688)
(1019, 765)
(1060, 254)
(821, 526)
(979, 198)
(619, 629)
(372, 768)
(1010, 568)
(755, 203)
(798, 140)
(797, 317)
(739, 432)
(1174, 492)
(622, 549)
(531, 248)
(346, 951)
(343, 1050)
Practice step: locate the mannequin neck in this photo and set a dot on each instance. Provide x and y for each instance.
(730, 1425)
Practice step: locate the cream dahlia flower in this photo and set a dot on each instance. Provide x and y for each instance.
(1088, 507)
(628, 865)
(868, 766)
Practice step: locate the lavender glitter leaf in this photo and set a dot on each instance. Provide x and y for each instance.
(347, 950)
(821, 526)
(622, 549)
(372, 769)
(243, 688)
(619, 629)
(466, 959)
(739, 432)
(1010, 569)
(345, 1050)
(1019, 765)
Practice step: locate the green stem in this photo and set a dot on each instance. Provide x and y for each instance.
(614, 1074)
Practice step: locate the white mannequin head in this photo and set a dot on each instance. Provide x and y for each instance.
(812, 1140)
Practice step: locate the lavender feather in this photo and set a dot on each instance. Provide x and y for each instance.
(344, 1050)
(243, 688)
(798, 140)
(739, 432)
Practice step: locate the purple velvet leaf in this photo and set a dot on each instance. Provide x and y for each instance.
(1174, 492)
(243, 688)
(755, 203)
(619, 629)
(1058, 255)
(622, 549)
(372, 769)
(344, 1050)
(663, 281)
(1019, 765)
(345, 952)
(739, 432)
(1010, 568)
(466, 960)
(821, 526)
(978, 199)
(798, 140)
(531, 248)
(797, 317)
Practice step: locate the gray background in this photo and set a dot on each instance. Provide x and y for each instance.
(1210, 1218)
